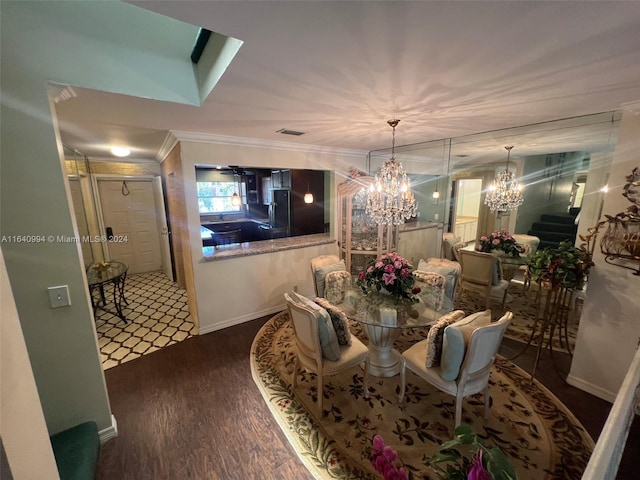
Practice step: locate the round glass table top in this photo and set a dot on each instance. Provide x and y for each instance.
(382, 310)
(103, 272)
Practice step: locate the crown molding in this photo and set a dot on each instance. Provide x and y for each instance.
(259, 143)
(170, 141)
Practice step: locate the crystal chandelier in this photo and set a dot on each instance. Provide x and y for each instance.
(390, 200)
(505, 193)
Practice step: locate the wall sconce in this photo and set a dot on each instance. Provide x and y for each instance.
(436, 194)
(236, 201)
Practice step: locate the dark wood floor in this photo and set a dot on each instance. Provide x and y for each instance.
(192, 411)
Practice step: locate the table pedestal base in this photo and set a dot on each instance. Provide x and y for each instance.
(384, 360)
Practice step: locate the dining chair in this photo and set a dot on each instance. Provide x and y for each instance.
(477, 276)
(479, 355)
(304, 321)
(322, 265)
(449, 268)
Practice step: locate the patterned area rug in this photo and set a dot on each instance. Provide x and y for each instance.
(540, 436)
(525, 311)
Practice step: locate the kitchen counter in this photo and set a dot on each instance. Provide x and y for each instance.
(232, 230)
(235, 219)
(266, 246)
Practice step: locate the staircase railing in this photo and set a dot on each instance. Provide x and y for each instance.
(605, 459)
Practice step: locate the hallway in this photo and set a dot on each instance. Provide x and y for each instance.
(157, 314)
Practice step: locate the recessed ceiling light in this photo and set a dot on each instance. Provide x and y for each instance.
(120, 151)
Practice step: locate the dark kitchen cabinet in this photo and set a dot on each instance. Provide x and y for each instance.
(281, 179)
(307, 218)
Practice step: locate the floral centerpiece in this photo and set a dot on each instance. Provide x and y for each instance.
(500, 240)
(391, 274)
(479, 463)
(565, 266)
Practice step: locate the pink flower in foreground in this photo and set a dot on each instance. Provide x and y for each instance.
(405, 272)
(379, 264)
(361, 276)
(389, 268)
(496, 241)
(383, 458)
(397, 264)
(477, 471)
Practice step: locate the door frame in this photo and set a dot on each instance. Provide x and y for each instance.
(161, 213)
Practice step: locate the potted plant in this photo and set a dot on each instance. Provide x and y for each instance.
(463, 458)
(566, 266)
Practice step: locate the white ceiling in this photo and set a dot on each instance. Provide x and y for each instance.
(339, 70)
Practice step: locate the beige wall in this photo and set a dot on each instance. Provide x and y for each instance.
(609, 330)
(236, 290)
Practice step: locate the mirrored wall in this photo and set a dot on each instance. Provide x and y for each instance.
(562, 165)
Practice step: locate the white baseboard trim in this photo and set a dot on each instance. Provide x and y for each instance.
(591, 388)
(109, 432)
(241, 319)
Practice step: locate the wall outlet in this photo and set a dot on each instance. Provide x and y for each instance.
(59, 296)
(418, 214)
(435, 216)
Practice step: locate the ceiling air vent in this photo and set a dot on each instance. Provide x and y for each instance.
(286, 131)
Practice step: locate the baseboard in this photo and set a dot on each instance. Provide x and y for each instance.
(109, 432)
(591, 388)
(241, 319)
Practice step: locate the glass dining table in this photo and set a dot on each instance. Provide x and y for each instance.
(383, 320)
(102, 274)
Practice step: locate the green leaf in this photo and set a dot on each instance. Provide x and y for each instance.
(498, 465)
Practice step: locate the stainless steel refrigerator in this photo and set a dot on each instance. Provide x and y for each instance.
(280, 211)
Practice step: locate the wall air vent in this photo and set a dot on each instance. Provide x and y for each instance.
(286, 131)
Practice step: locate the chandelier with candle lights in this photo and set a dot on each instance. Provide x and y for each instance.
(505, 194)
(390, 200)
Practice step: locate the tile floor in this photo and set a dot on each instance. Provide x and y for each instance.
(158, 316)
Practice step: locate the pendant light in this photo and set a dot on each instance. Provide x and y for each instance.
(505, 194)
(390, 200)
(308, 197)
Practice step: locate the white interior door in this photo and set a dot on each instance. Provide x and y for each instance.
(81, 219)
(129, 214)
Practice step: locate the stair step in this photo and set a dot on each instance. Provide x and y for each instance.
(546, 244)
(553, 236)
(554, 227)
(558, 218)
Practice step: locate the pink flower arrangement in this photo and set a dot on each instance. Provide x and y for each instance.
(392, 273)
(500, 240)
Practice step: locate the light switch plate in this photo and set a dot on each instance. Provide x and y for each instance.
(59, 296)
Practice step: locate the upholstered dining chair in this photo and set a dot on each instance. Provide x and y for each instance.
(477, 275)
(304, 321)
(322, 265)
(479, 356)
